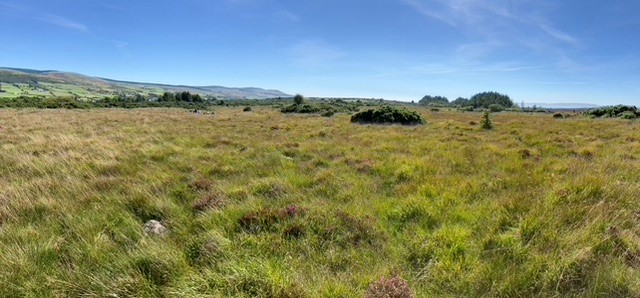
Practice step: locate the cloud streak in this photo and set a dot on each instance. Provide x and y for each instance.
(25, 12)
(487, 17)
(63, 23)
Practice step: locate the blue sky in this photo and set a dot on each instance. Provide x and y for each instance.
(584, 51)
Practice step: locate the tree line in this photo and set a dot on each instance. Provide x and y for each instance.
(486, 100)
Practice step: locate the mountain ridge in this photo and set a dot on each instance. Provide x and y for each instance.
(32, 82)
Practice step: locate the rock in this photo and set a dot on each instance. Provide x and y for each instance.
(155, 228)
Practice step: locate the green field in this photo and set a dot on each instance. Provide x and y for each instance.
(263, 204)
(83, 92)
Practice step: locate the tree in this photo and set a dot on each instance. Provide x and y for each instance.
(167, 96)
(484, 99)
(486, 121)
(185, 96)
(460, 101)
(298, 99)
(433, 100)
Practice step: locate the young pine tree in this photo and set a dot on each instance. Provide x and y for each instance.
(486, 121)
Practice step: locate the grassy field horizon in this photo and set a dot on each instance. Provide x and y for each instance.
(266, 204)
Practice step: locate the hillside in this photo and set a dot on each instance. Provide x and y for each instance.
(27, 82)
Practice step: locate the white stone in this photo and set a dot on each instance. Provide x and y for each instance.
(155, 228)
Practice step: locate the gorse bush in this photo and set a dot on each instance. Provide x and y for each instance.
(619, 111)
(494, 108)
(388, 115)
(301, 108)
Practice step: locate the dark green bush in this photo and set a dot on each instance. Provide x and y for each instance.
(619, 111)
(328, 113)
(388, 115)
(628, 115)
(246, 109)
(302, 108)
(494, 108)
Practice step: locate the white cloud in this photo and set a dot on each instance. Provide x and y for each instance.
(489, 26)
(63, 22)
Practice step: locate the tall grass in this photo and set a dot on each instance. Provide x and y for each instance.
(271, 205)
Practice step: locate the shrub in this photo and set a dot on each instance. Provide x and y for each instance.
(328, 113)
(486, 121)
(494, 108)
(626, 112)
(298, 99)
(388, 115)
(466, 109)
(246, 109)
(558, 115)
(301, 108)
(394, 287)
(628, 115)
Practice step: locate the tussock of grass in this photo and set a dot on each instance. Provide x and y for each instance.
(272, 205)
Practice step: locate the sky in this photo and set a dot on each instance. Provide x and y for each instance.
(550, 51)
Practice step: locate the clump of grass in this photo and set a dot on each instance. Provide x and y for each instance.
(267, 218)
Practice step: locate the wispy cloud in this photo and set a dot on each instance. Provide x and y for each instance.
(287, 15)
(64, 23)
(558, 83)
(314, 53)
(25, 12)
(495, 19)
(12, 6)
(489, 28)
(453, 68)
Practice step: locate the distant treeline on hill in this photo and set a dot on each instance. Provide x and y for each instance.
(137, 101)
(487, 100)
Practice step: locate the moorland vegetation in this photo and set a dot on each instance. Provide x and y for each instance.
(267, 204)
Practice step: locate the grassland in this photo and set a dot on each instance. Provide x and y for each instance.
(15, 90)
(262, 204)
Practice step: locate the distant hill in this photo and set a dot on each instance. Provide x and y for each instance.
(28, 82)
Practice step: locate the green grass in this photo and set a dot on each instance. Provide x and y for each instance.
(272, 205)
(64, 90)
